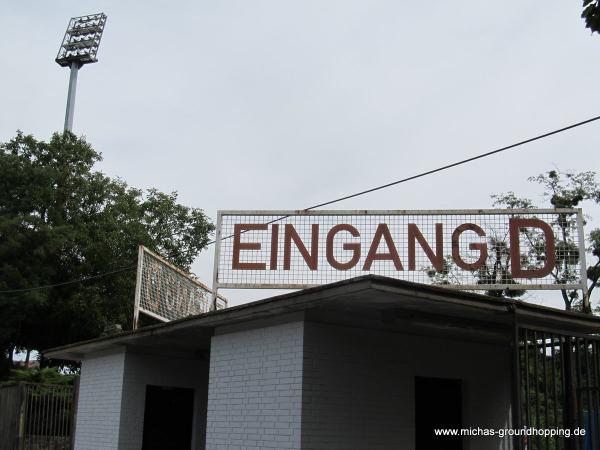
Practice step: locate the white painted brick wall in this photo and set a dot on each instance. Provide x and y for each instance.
(99, 405)
(356, 392)
(255, 388)
(170, 371)
(112, 397)
(359, 387)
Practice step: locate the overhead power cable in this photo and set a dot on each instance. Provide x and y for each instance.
(347, 197)
(439, 169)
(449, 166)
(64, 283)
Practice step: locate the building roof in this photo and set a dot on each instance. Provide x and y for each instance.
(368, 301)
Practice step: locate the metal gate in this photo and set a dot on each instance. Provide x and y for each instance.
(37, 416)
(559, 381)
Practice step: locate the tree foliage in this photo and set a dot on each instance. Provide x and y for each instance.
(60, 220)
(496, 270)
(564, 190)
(591, 15)
(46, 375)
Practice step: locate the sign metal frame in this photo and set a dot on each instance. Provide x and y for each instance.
(138, 307)
(283, 214)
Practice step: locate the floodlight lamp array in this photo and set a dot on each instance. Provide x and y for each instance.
(81, 40)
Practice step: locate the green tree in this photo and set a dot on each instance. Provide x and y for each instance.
(496, 270)
(60, 220)
(47, 375)
(591, 15)
(564, 190)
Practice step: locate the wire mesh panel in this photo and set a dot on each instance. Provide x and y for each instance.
(167, 293)
(467, 249)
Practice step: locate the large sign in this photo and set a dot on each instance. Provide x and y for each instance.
(167, 293)
(464, 249)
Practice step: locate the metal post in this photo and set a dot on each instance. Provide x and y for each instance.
(570, 390)
(215, 285)
(74, 408)
(516, 381)
(138, 288)
(71, 96)
(22, 401)
(582, 263)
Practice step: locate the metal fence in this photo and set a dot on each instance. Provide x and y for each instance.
(559, 389)
(37, 416)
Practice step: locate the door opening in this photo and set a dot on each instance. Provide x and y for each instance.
(438, 405)
(168, 417)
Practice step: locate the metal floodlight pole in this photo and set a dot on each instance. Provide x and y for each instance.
(71, 96)
(79, 46)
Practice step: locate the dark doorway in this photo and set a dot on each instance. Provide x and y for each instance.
(168, 418)
(438, 405)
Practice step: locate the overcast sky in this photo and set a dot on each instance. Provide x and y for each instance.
(281, 105)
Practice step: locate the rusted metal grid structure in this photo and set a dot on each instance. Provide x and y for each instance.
(272, 255)
(37, 416)
(165, 292)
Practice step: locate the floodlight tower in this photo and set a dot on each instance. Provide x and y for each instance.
(79, 47)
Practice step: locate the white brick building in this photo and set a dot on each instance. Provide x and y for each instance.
(367, 363)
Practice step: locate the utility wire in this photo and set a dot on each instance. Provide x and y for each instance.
(464, 161)
(64, 283)
(439, 169)
(357, 194)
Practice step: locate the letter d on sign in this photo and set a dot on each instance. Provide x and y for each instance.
(515, 248)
